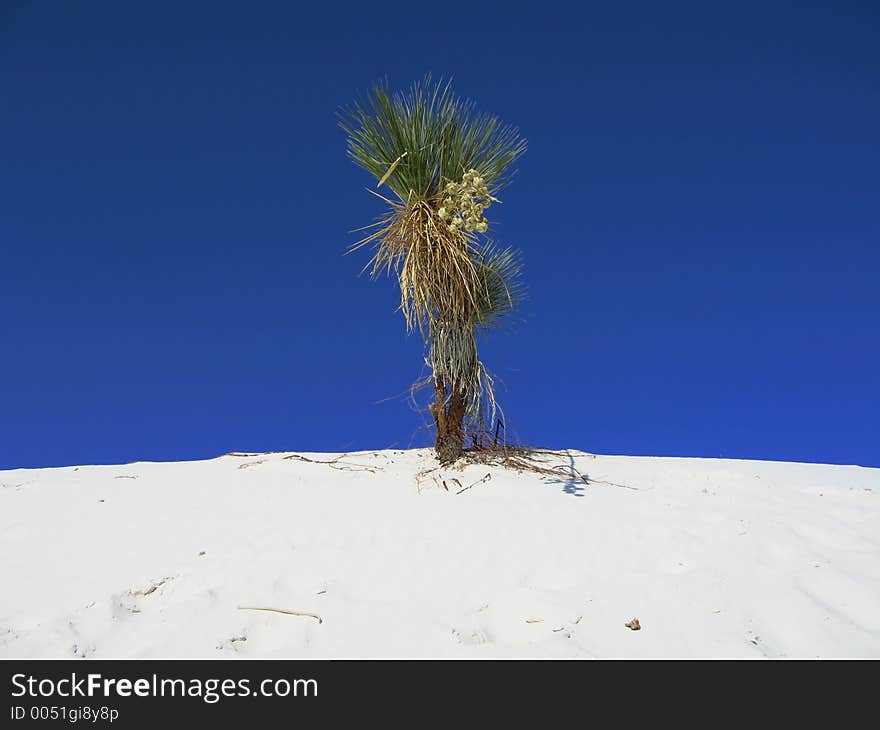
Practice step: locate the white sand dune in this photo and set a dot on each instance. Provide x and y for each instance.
(716, 558)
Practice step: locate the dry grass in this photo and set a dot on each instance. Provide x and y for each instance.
(435, 265)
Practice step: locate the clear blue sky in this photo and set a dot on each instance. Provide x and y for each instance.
(698, 212)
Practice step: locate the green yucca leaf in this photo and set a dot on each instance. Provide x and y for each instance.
(499, 269)
(431, 135)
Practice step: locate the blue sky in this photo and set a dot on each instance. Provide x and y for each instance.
(698, 213)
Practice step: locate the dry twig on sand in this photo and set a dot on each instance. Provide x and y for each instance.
(518, 458)
(281, 610)
(479, 481)
(335, 463)
(525, 459)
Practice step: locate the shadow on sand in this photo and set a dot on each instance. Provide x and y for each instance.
(573, 482)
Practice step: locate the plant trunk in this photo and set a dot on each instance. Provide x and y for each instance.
(449, 421)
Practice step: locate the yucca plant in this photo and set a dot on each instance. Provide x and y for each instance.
(444, 164)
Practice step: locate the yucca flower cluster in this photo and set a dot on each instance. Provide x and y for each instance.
(463, 203)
